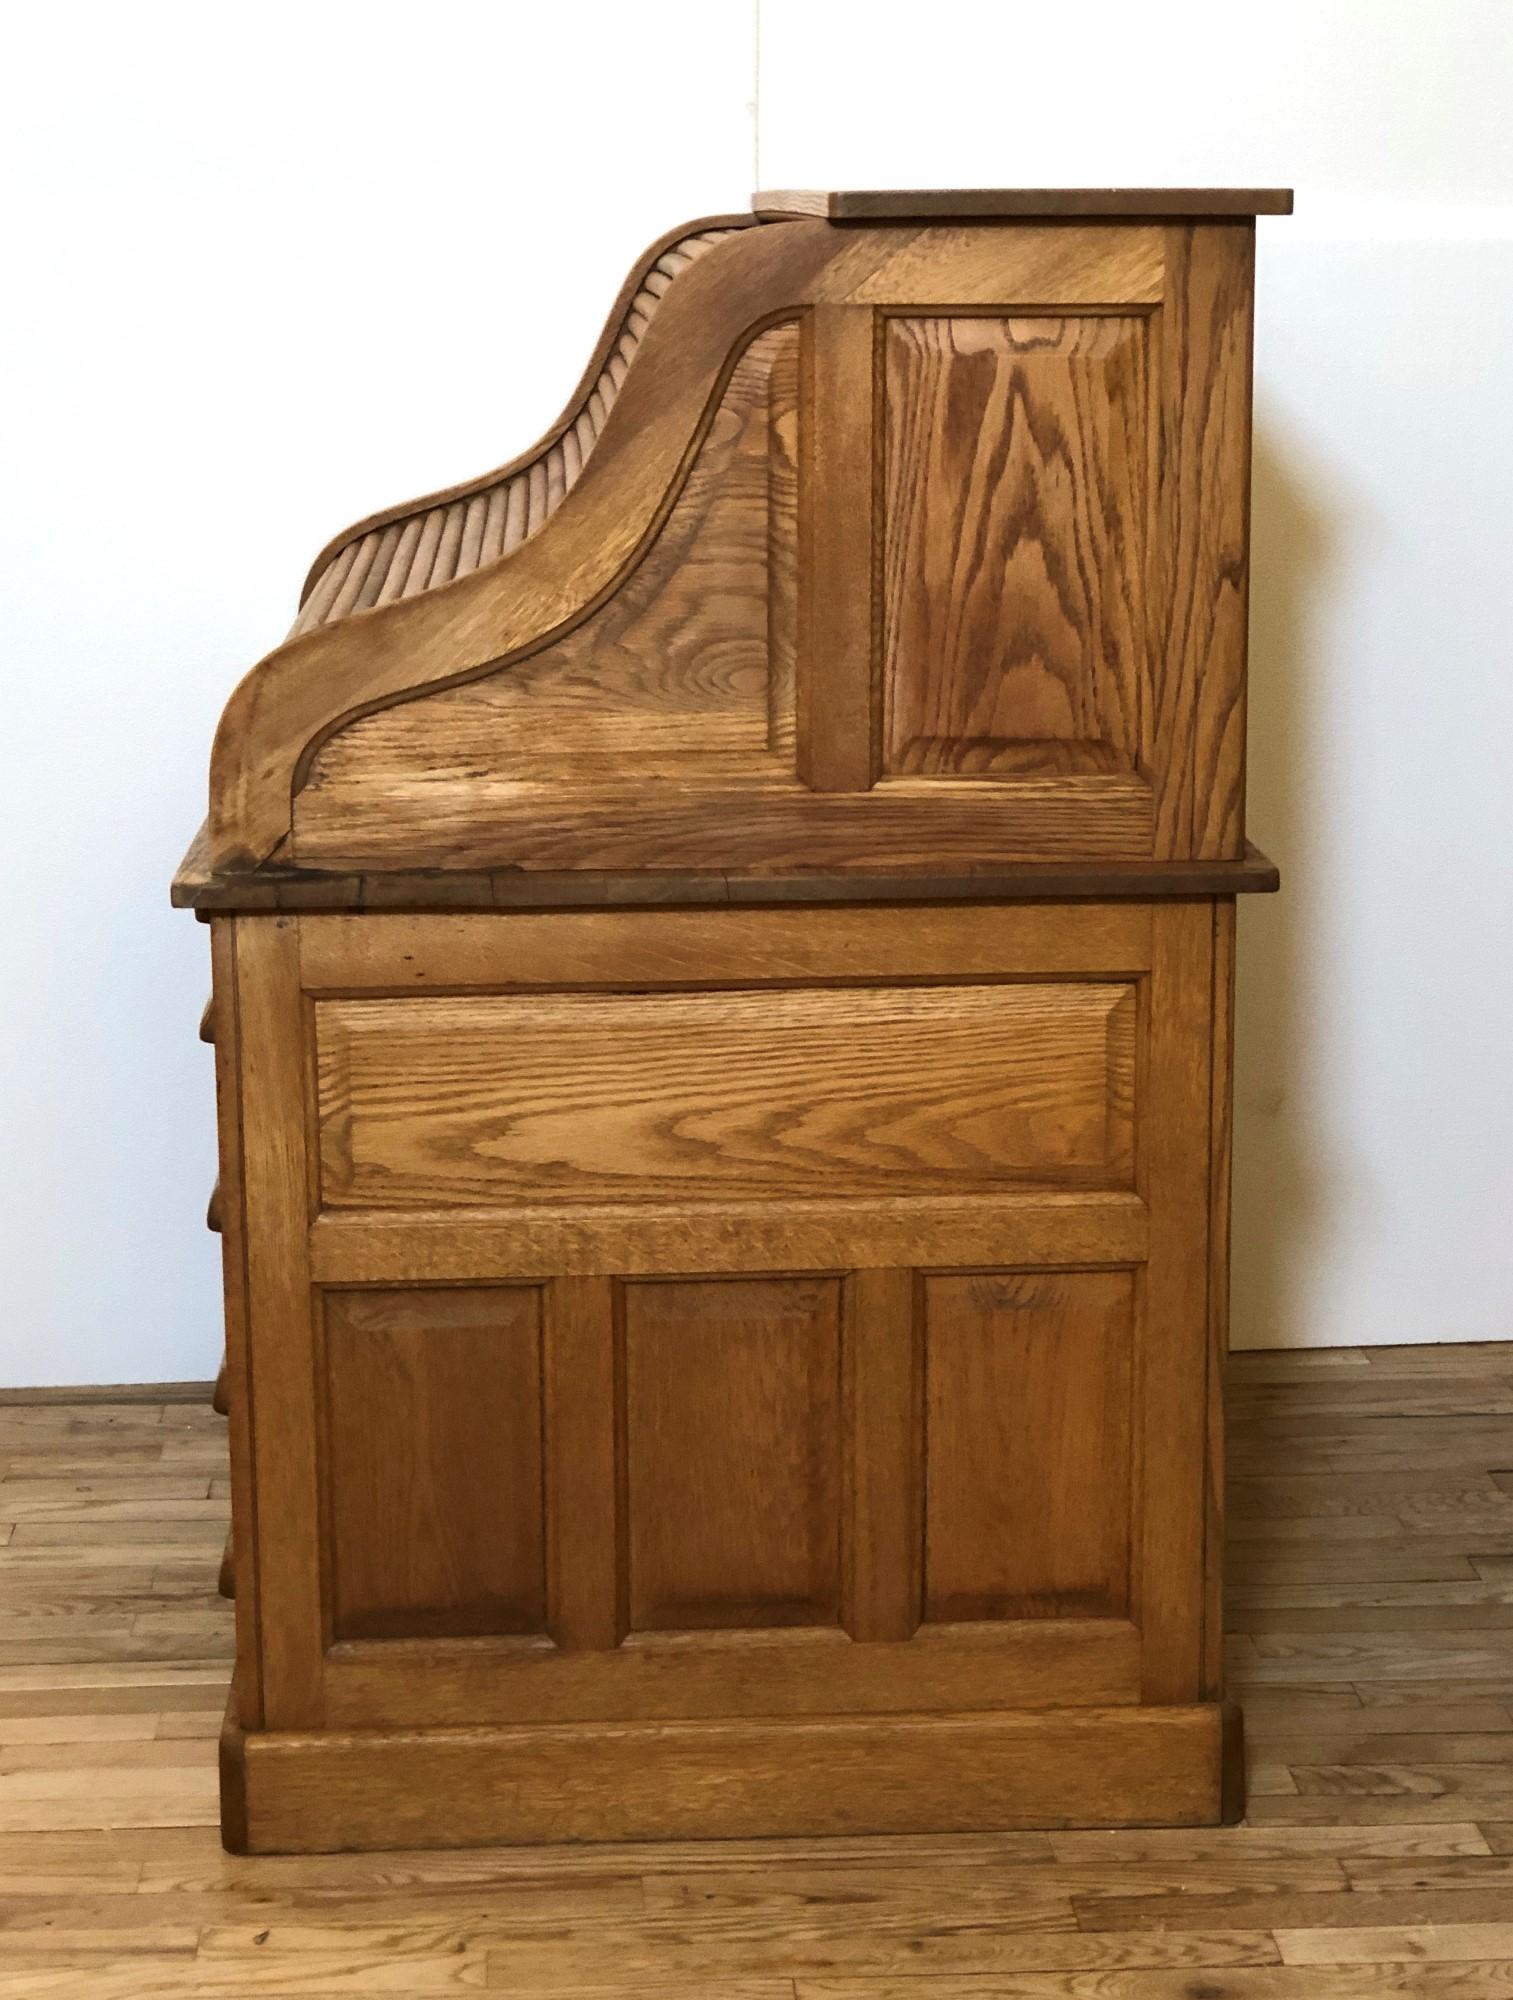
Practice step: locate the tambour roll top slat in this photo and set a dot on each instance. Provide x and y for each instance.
(431, 543)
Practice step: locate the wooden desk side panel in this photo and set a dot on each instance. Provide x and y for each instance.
(884, 1471)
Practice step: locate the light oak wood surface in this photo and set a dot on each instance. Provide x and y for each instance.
(571, 1098)
(1376, 1667)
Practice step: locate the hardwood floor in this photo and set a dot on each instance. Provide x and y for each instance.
(1371, 1621)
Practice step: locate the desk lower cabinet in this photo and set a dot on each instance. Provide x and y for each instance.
(724, 1371)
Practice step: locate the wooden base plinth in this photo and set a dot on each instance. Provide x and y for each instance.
(299, 1793)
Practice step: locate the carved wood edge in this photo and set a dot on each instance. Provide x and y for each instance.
(577, 402)
(197, 886)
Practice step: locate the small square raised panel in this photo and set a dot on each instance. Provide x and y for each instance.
(730, 1421)
(1027, 1444)
(433, 1461)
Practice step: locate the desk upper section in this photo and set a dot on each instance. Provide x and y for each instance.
(889, 533)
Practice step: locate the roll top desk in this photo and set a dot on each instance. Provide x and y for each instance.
(723, 937)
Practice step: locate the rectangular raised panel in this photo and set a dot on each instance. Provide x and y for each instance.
(731, 1452)
(1027, 1427)
(1012, 605)
(534, 1099)
(433, 1461)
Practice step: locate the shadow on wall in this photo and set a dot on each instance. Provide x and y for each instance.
(1281, 1186)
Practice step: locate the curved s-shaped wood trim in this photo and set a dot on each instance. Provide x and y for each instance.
(584, 413)
(300, 692)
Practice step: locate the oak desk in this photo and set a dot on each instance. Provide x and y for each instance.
(723, 940)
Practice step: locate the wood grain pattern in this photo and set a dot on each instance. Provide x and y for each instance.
(901, 1774)
(642, 1238)
(1013, 571)
(438, 1101)
(581, 1476)
(675, 665)
(629, 950)
(1028, 1399)
(796, 1669)
(1171, 1456)
(731, 1440)
(1195, 720)
(1220, 1140)
(666, 821)
(406, 889)
(271, 1111)
(883, 1544)
(836, 676)
(433, 1462)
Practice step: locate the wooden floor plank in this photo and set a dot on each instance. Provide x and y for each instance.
(1371, 1639)
(1485, 1981)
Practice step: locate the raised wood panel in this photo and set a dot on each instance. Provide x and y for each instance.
(585, 1097)
(1012, 601)
(433, 1461)
(1027, 1428)
(672, 668)
(731, 1452)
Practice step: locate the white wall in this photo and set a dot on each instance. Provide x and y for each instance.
(1374, 1114)
(218, 213)
(215, 214)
